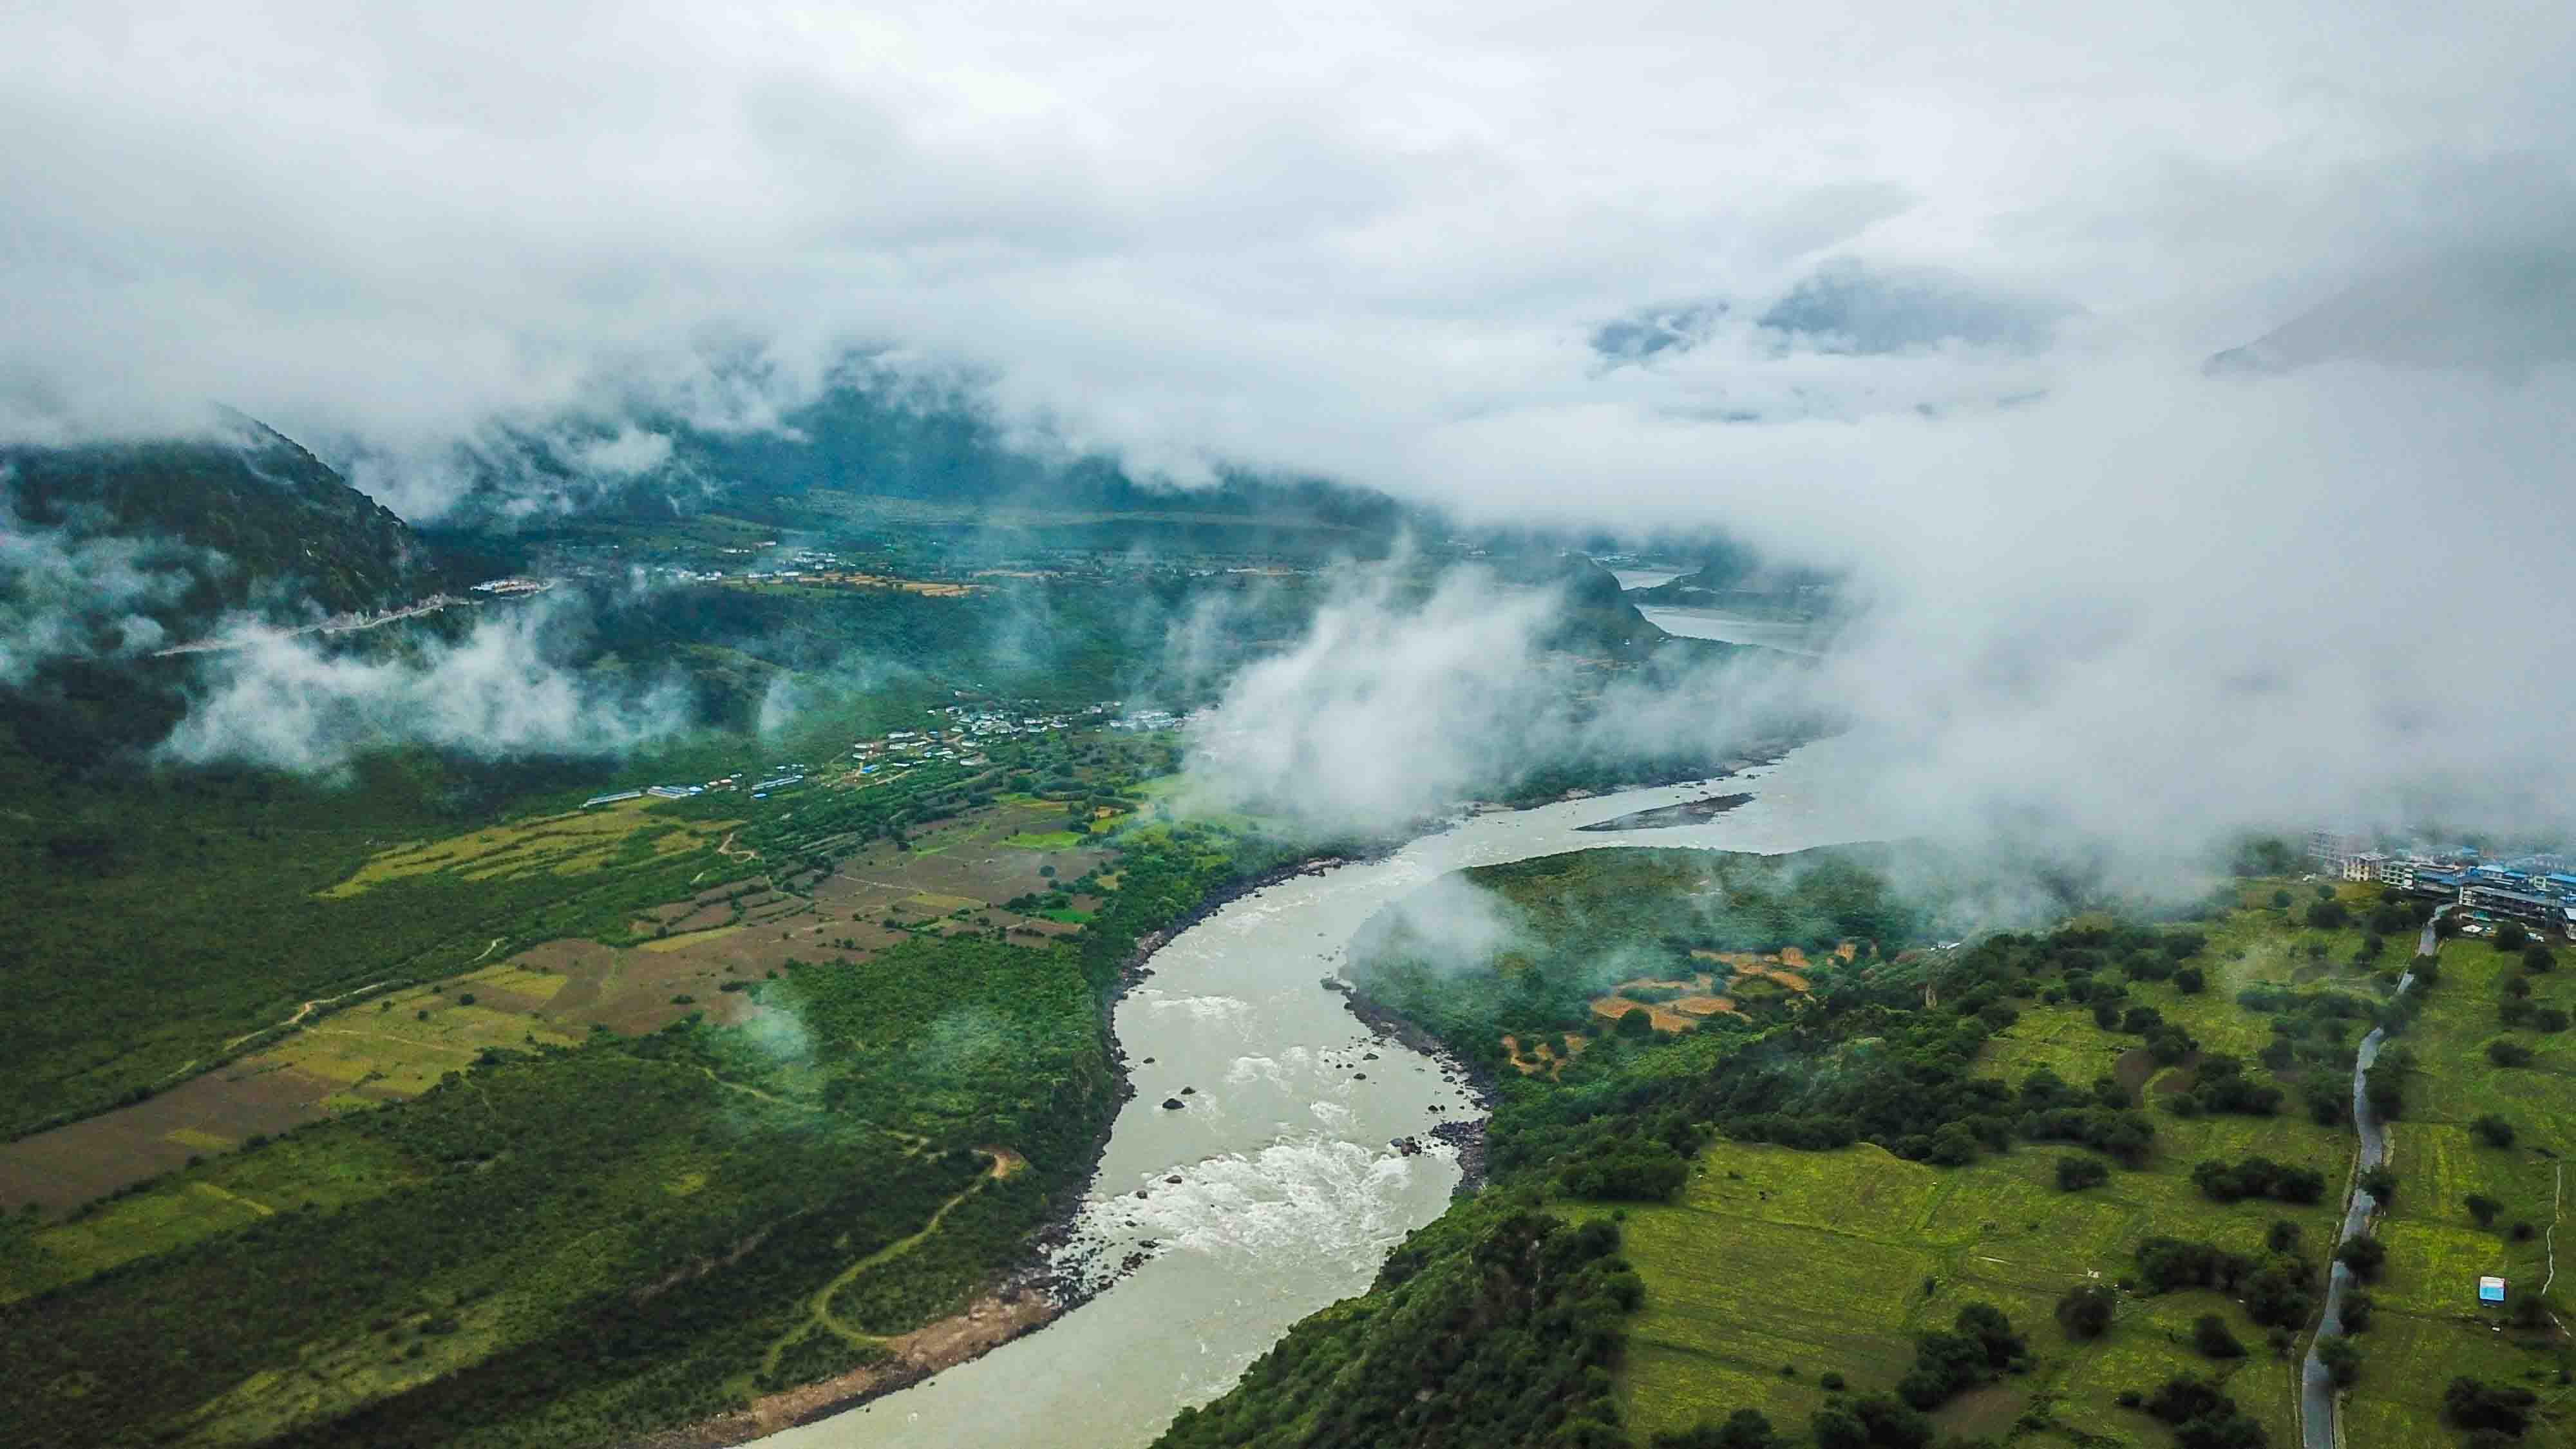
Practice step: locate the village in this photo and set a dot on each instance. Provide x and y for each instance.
(961, 741)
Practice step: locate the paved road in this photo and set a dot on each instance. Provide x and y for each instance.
(2316, 1386)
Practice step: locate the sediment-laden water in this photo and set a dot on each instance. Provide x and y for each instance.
(1289, 1194)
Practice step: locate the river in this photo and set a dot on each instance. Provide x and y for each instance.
(1289, 1195)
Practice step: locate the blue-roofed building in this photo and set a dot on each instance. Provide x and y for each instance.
(2530, 907)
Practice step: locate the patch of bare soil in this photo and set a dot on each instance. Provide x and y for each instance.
(992, 1321)
(79, 1161)
(2133, 1070)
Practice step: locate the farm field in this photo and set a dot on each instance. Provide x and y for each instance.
(1835, 1260)
(2437, 1248)
(1776, 1257)
(809, 1096)
(2149, 1119)
(682, 958)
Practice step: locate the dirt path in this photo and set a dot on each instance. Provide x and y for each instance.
(2318, 1426)
(307, 1009)
(2549, 1239)
(1001, 1164)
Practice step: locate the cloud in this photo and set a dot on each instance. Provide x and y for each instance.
(1401, 701)
(65, 594)
(1379, 246)
(295, 703)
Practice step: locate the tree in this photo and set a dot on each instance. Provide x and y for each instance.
(2074, 1174)
(2510, 938)
(1954, 1145)
(2280, 900)
(2209, 1335)
(2472, 1404)
(1743, 1429)
(2342, 1358)
(2380, 1183)
(2357, 1308)
(2494, 1131)
(2364, 1256)
(2505, 1053)
(2085, 1310)
(2384, 1088)
(2536, 959)
(1837, 1426)
(2328, 915)
(1891, 1425)
(1986, 1324)
(2480, 1206)
(2282, 1236)
(2190, 981)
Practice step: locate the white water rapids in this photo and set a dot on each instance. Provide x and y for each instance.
(1289, 1195)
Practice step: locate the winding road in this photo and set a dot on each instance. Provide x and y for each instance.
(2316, 1385)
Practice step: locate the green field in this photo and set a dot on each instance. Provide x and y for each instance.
(1825, 1189)
(458, 1254)
(2436, 1249)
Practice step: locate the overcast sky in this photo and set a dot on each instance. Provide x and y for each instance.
(1329, 236)
(1377, 243)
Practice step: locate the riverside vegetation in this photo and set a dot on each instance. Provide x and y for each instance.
(2074, 1187)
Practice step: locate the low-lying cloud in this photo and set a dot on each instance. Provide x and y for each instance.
(296, 703)
(1400, 702)
(2107, 595)
(67, 595)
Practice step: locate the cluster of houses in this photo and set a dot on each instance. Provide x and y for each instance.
(664, 792)
(512, 587)
(961, 740)
(2538, 890)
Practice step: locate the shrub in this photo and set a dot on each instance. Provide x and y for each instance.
(2085, 1310)
(2472, 1404)
(2494, 1131)
(2074, 1174)
(2258, 1177)
(2190, 981)
(2508, 1053)
(2480, 1206)
(2209, 1335)
(2380, 1183)
(2342, 1358)
(1743, 1429)
(2364, 1256)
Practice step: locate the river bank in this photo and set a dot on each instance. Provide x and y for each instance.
(1285, 1178)
(1466, 1137)
(1050, 1280)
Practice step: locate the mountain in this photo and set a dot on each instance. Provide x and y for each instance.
(2492, 311)
(244, 519)
(871, 433)
(1849, 307)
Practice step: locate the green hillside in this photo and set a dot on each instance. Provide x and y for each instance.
(2071, 1188)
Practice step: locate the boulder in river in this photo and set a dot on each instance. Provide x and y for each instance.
(1170, 1104)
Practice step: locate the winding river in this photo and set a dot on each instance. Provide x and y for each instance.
(1274, 1189)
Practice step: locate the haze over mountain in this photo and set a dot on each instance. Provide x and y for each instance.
(1475, 265)
(2506, 311)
